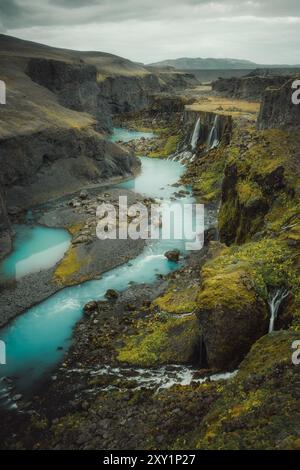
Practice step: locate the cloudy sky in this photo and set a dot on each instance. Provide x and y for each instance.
(265, 31)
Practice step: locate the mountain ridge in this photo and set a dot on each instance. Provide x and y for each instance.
(210, 63)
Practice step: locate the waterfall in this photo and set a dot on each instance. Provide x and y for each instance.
(213, 138)
(196, 132)
(182, 157)
(274, 304)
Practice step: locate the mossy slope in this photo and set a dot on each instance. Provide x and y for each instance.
(162, 340)
(259, 409)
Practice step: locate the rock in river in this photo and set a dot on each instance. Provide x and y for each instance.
(173, 255)
(90, 307)
(111, 294)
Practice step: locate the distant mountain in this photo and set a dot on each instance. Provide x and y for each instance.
(186, 63)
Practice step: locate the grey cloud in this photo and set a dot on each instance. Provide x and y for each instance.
(9, 11)
(149, 30)
(16, 13)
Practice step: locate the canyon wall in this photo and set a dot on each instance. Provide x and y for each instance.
(277, 108)
(56, 162)
(128, 94)
(222, 123)
(250, 87)
(5, 226)
(74, 84)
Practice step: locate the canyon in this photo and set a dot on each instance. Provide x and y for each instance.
(148, 353)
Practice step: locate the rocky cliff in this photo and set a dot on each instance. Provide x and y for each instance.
(277, 108)
(249, 87)
(51, 163)
(127, 94)
(5, 226)
(208, 120)
(75, 86)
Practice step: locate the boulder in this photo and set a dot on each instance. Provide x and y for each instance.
(111, 294)
(74, 203)
(81, 238)
(173, 255)
(83, 194)
(163, 341)
(231, 314)
(90, 307)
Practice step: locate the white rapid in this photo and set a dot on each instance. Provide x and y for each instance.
(274, 305)
(182, 157)
(159, 378)
(213, 138)
(196, 132)
(186, 156)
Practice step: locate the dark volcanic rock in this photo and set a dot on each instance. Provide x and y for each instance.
(111, 294)
(231, 318)
(52, 163)
(127, 93)
(277, 108)
(75, 84)
(237, 216)
(90, 307)
(249, 87)
(208, 120)
(173, 255)
(165, 106)
(5, 226)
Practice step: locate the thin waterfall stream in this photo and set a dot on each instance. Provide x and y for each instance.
(213, 138)
(274, 303)
(196, 133)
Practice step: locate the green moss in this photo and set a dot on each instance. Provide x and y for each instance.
(206, 175)
(209, 184)
(38, 424)
(224, 288)
(75, 228)
(284, 213)
(228, 221)
(177, 300)
(161, 341)
(67, 426)
(268, 150)
(69, 266)
(167, 146)
(269, 263)
(259, 409)
(266, 261)
(263, 192)
(248, 192)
